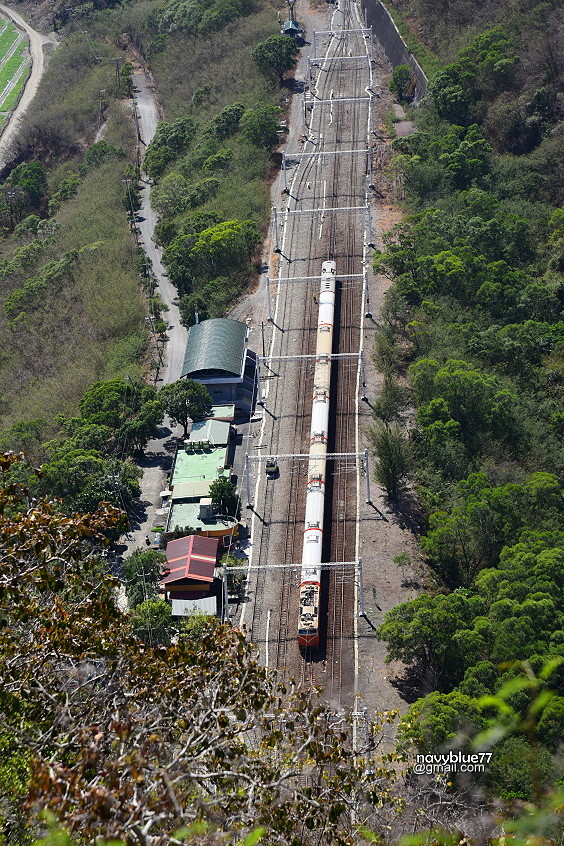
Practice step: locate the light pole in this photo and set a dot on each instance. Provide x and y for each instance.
(102, 91)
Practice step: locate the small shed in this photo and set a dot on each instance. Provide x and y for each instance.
(191, 564)
(291, 28)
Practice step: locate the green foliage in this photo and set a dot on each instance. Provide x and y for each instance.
(225, 248)
(391, 401)
(123, 704)
(196, 626)
(84, 478)
(236, 576)
(461, 543)
(226, 123)
(185, 400)
(191, 17)
(393, 454)
(143, 570)
(31, 177)
(152, 622)
(130, 410)
(277, 55)
(517, 772)
(15, 772)
(440, 719)
(484, 68)
(169, 141)
(514, 611)
(96, 155)
(260, 126)
(401, 77)
(224, 496)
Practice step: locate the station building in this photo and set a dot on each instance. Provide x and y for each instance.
(203, 458)
(217, 355)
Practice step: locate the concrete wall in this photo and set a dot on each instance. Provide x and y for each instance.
(384, 29)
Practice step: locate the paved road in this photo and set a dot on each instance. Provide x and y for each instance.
(159, 451)
(36, 45)
(146, 109)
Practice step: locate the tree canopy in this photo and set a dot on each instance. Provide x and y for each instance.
(145, 740)
(185, 400)
(277, 55)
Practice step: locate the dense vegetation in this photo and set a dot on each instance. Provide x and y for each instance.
(209, 161)
(471, 336)
(62, 205)
(65, 321)
(129, 742)
(143, 741)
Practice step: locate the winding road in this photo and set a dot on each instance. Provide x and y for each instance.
(37, 42)
(146, 118)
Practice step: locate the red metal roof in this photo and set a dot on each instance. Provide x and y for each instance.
(192, 557)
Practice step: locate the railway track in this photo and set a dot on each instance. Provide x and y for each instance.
(317, 182)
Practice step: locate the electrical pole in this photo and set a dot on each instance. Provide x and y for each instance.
(102, 91)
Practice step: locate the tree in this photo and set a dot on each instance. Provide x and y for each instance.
(442, 720)
(143, 570)
(401, 78)
(224, 496)
(185, 400)
(152, 622)
(392, 400)
(223, 249)
(260, 126)
(126, 77)
(393, 454)
(236, 575)
(85, 477)
(422, 633)
(195, 627)
(150, 740)
(32, 178)
(131, 410)
(278, 54)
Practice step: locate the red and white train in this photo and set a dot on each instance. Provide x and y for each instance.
(310, 581)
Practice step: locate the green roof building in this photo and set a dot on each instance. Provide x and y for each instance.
(217, 355)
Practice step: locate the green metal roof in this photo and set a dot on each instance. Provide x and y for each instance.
(291, 26)
(215, 347)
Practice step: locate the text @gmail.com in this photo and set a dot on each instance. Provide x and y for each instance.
(451, 762)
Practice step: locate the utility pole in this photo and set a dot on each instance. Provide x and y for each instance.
(118, 60)
(367, 471)
(102, 91)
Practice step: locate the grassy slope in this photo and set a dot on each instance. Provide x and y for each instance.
(185, 66)
(448, 25)
(93, 327)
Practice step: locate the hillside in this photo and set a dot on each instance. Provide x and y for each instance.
(79, 330)
(471, 347)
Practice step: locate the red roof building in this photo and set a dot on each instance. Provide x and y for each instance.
(191, 562)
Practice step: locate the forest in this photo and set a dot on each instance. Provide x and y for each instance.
(469, 420)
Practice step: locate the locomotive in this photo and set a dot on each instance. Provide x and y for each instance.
(310, 579)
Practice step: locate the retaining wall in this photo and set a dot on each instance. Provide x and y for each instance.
(385, 30)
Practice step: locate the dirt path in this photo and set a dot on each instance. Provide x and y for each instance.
(37, 43)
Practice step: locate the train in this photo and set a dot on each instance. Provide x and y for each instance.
(310, 577)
